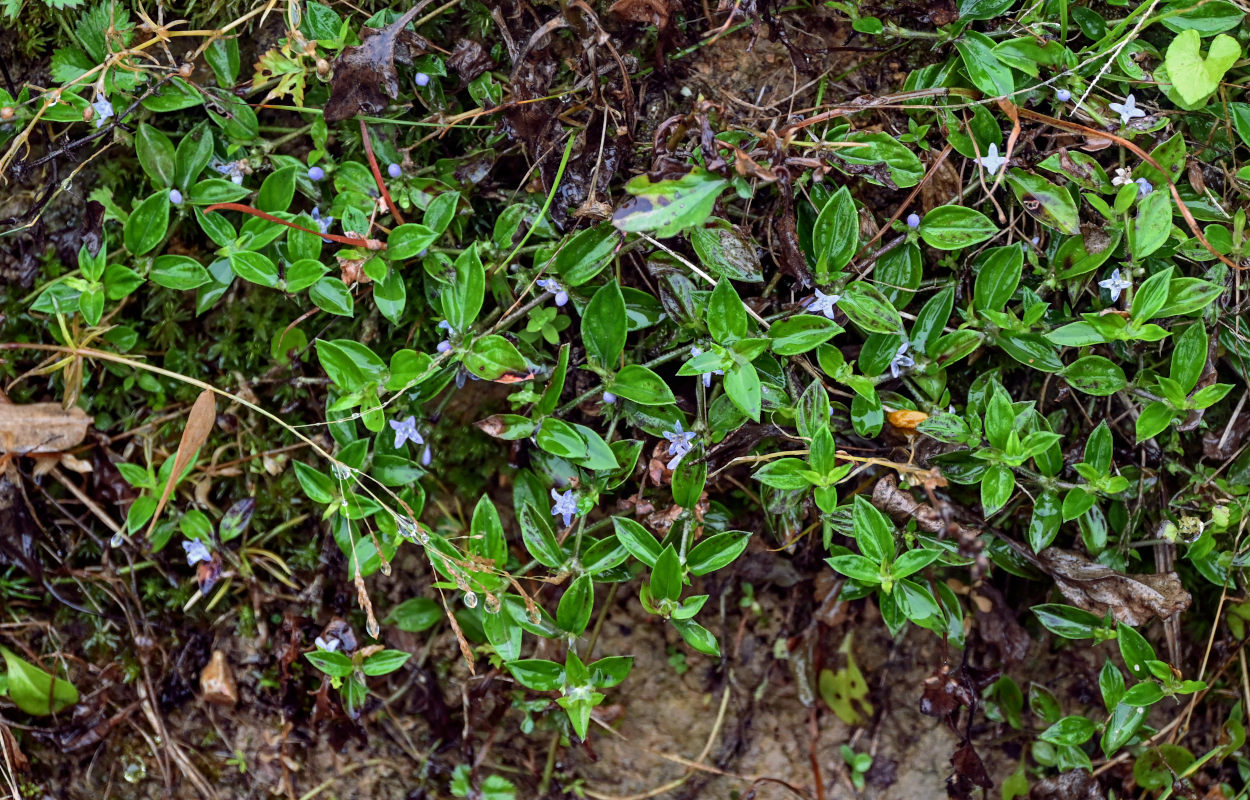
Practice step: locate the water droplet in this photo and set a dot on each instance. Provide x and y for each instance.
(341, 471)
(386, 568)
(470, 599)
(373, 627)
(118, 540)
(409, 529)
(535, 617)
(134, 770)
(492, 604)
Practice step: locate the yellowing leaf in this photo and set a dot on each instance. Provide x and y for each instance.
(1193, 76)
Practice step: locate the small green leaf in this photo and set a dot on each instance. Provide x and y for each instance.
(1193, 76)
(35, 691)
(955, 227)
(670, 206)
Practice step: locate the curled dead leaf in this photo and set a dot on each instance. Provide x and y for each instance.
(217, 681)
(41, 428)
(1133, 599)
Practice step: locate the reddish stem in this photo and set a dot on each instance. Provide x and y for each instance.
(368, 244)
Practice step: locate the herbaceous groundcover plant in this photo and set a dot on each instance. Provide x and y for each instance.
(528, 328)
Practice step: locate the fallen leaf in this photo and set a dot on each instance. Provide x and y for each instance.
(364, 76)
(469, 60)
(199, 424)
(644, 12)
(41, 428)
(969, 773)
(217, 681)
(1132, 599)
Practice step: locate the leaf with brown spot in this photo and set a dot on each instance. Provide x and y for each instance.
(199, 424)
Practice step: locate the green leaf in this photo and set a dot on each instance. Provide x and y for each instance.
(726, 316)
(903, 167)
(716, 552)
(538, 538)
(576, 605)
(1193, 76)
(178, 272)
(786, 474)
(955, 227)
(727, 252)
(670, 206)
(255, 267)
(407, 241)
(1068, 621)
(35, 691)
(1072, 730)
(1151, 296)
(637, 540)
(384, 662)
(156, 155)
(1031, 350)
(1047, 203)
(868, 308)
(666, 576)
(801, 333)
(603, 326)
(998, 278)
(697, 636)
(537, 674)
(742, 384)
(835, 235)
(586, 254)
(1189, 356)
(329, 294)
(560, 439)
(873, 531)
(462, 299)
(1045, 522)
(491, 357)
(987, 73)
(334, 664)
(641, 385)
(416, 614)
(1095, 375)
(861, 568)
(146, 226)
(996, 488)
(1153, 223)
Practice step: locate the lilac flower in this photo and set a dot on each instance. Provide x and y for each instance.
(901, 360)
(316, 174)
(678, 444)
(426, 456)
(394, 170)
(1063, 95)
(913, 220)
(1116, 284)
(992, 161)
(823, 303)
(175, 197)
(232, 170)
(1127, 110)
(565, 506)
(406, 431)
(196, 552)
(444, 346)
(103, 110)
(329, 645)
(553, 286)
(707, 376)
(1144, 187)
(422, 79)
(609, 398)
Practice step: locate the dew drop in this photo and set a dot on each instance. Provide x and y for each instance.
(470, 599)
(385, 568)
(373, 628)
(492, 604)
(118, 540)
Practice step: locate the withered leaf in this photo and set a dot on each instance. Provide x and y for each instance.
(644, 12)
(469, 60)
(41, 427)
(199, 424)
(969, 773)
(364, 76)
(1132, 599)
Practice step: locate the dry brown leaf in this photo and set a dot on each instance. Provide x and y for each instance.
(365, 76)
(217, 681)
(1132, 599)
(41, 428)
(199, 424)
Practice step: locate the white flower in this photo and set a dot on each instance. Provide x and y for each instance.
(196, 552)
(329, 645)
(1127, 110)
(1123, 177)
(992, 161)
(823, 303)
(565, 506)
(678, 444)
(1116, 283)
(901, 360)
(103, 110)
(406, 431)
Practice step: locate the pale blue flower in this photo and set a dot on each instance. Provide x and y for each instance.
(1144, 187)
(565, 506)
(1127, 110)
(406, 431)
(901, 360)
(706, 376)
(823, 303)
(678, 444)
(196, 552)
(992, 161)
(103, 110)
(1063, 95)
(1116, 283)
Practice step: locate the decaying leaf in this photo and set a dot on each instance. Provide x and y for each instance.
(41, 428)
(199, 424)
(364, 76)
(644, 12)
(1132, 599)
(217, 681)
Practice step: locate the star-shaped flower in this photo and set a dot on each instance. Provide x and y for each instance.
(992, 161)
(1122, 177)
(1144, 187)
(901, 360)
(678, 444)
(823, 303)
(1127, 110)
(103, 110)
(565, 506)
(1116, 284)
(406, 431)
(323, 223)
(196, 552)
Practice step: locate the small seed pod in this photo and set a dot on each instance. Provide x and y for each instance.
(6, 113)
(185, 70)
(323, 67)
(88, 113)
